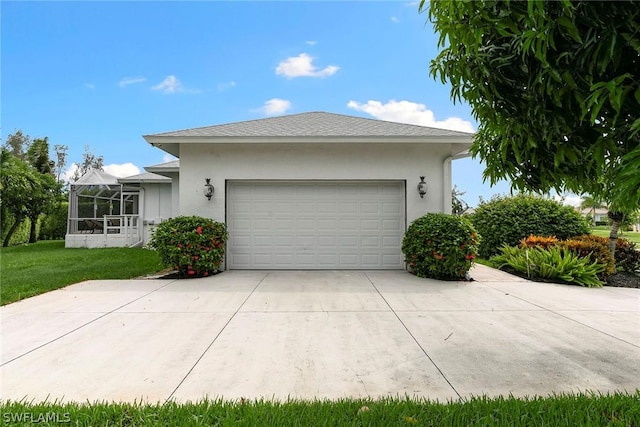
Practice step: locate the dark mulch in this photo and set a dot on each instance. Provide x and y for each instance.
(618, 280)
(623, 280)
(179, 275)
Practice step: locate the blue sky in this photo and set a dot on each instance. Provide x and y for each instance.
(103, 74)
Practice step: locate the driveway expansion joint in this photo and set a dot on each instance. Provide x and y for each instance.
(559, 314)
(424, 351)
(83, 325)
(215, 338)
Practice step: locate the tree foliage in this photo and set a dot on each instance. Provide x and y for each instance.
(18, 181)
(555, 88)
(28, 187)
(458, 206)
(89, 161)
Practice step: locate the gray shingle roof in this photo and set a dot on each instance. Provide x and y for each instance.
(168, 165)
(145, 177)
(313, 124)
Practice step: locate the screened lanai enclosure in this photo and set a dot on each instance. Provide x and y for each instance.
(103, 212)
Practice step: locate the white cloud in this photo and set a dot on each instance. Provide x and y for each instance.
(410, 112)
(311, 42)
(117, 170)
(121, 170)
(302, 66)
(126, 81)
(395, 19)
(225, 86)
(275, 106)
(569, 200)
(168, 158)
(169, 85)
(68, 174)
(90, 86)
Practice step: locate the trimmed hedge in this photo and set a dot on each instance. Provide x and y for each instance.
(440, 246)
(508, 220)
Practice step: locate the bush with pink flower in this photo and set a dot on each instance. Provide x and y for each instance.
(192, 245)
(440, 246)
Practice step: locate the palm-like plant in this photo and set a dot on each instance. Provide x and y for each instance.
(589, 202)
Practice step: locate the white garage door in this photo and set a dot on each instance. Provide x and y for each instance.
(315, 225)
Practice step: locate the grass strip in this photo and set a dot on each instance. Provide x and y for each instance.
(632, 236)
(29, 270)
(615, 409)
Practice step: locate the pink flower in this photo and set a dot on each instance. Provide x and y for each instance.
(199, 230)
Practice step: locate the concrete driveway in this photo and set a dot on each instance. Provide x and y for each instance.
(320, 334)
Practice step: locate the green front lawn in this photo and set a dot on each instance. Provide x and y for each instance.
(629, 235)
(562, 410)
(29, 270)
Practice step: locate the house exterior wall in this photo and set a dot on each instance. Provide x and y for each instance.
(158, 206)
(316, 161)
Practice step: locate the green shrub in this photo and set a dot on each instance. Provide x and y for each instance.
(54, 224)
(549, 264)
(20, 235)
(440, 246)
(627, 256)
(193, 245)
(508, 220)
(539, 241)
(594, 248)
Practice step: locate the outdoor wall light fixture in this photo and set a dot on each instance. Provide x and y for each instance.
(208, 189)
(422, 187)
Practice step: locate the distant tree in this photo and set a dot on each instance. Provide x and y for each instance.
(458, 206)
(17, 144)
(555, 87)
(61, 159)
(89, 161)
(589, 202)
(38, 156)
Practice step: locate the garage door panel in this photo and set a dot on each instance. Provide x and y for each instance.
(348, 260)
(370, 208)
(391, 225)
(370, 260)
(328, 241)
(311, 225)
(369, 224)
(391, 208)
(370, 241)
(305, 224)
(391, 241)
(348, 225)
(327, 224)
(349, 241)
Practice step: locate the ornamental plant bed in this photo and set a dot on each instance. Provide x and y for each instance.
(177, 274)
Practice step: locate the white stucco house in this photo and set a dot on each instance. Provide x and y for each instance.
(305, 191)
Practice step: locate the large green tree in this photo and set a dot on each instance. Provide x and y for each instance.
(18, 181)
(555, 87)
(28, 187)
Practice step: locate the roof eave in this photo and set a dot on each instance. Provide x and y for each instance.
(170, 142)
